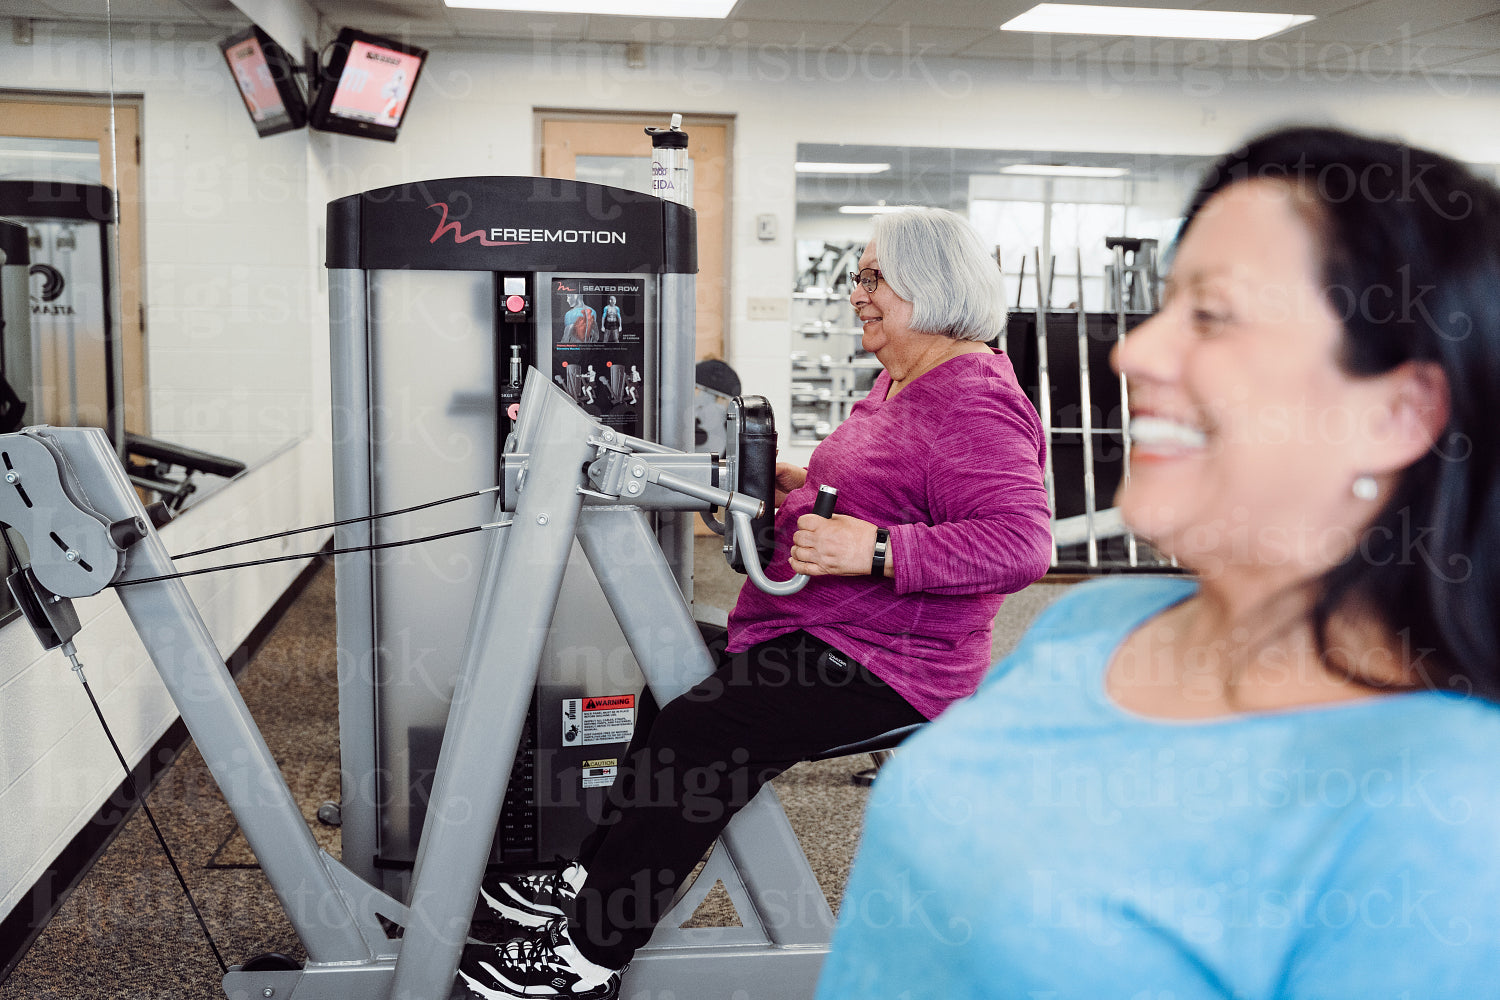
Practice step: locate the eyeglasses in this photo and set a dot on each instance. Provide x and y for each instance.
(867, 279)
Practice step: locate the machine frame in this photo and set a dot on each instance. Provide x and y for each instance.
(567, 476)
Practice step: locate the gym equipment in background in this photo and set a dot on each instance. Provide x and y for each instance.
(15, 324)
(68, 370)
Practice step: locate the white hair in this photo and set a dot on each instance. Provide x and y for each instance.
(936, 260)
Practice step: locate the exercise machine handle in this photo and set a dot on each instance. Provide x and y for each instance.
(828, 498)
(823, 507)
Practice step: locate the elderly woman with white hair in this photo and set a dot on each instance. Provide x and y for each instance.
(942, 512)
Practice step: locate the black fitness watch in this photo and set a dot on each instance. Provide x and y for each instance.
(882, 546)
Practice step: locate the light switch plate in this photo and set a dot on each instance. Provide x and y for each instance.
(768, 309)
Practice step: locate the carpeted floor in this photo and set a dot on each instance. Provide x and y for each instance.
(127, 930)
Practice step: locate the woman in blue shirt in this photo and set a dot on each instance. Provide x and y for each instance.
(1282, 778)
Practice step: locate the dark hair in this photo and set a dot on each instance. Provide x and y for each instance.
(1411, 263)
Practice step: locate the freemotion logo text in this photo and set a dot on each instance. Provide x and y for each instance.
(506, 237)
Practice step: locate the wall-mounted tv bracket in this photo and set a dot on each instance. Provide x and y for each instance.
(65, 493)
(309, 67)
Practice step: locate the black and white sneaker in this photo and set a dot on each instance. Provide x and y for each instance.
(537, 965)
(532, 900)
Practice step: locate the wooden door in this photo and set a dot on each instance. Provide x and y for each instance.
(564, 136)
(89, 119)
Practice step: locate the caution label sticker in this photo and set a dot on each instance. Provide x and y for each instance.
(608, 719)
(600, 773)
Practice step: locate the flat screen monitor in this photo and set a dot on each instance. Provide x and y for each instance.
(266, 81)
(366, 86)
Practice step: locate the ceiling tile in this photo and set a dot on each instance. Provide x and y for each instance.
(660, 30)
(1027, 45)
(973, 15)
(1378, 61)
(215, 11)
(910, 40)
(1487, 64)
(1387, 20)
(1317, 8)
(792, 34)
(528, 25)
(1479, 33)
(134, 11)
(853, 12)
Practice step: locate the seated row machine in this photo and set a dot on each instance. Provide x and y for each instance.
(565, 476)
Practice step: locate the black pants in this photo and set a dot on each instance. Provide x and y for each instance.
(702, 760)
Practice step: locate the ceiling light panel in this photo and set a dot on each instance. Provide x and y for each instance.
(843, 168)
(1152, 22)
(1062, 170)
(619, 8)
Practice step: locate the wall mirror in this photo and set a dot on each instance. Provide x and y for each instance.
(198, 258)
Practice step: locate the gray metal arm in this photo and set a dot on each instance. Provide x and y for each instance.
(620, 472)
(745, 535)
(740, 509)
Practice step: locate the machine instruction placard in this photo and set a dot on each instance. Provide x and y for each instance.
(599, 347)
(609, 719)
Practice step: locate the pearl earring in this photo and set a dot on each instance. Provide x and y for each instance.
(1365, 488)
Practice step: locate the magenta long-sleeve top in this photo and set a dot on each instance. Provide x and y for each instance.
(953, 467)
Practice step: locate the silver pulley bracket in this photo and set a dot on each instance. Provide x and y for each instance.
(72, 549)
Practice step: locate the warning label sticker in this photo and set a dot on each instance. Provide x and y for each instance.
(609, 719)
(600, 773)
